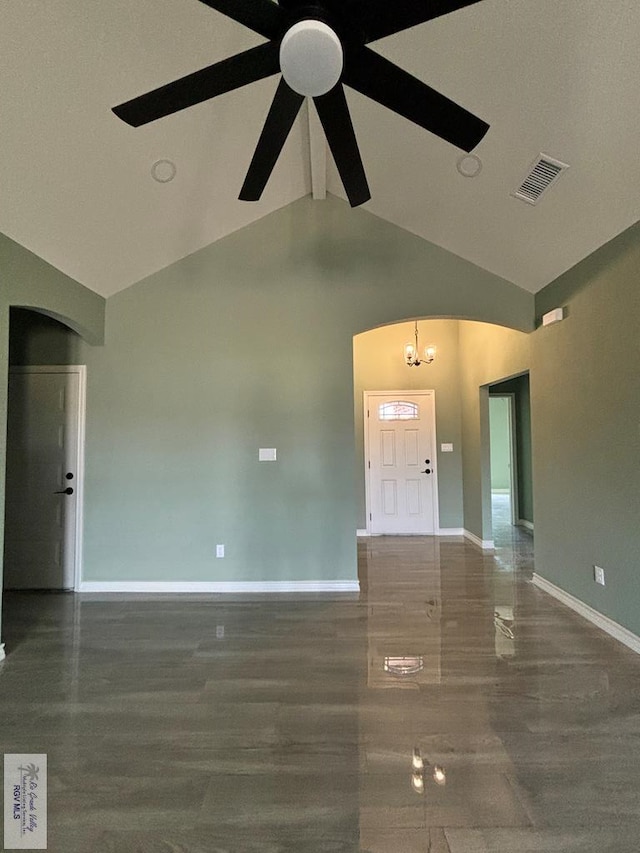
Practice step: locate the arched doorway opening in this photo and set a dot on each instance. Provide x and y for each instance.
(471, 357)
(44, 459)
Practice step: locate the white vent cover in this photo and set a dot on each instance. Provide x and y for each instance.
(544, 172)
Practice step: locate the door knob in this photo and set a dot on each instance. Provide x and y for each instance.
(427, 471)
(67, 491)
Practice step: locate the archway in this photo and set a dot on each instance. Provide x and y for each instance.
(63, 315)
(470, 356)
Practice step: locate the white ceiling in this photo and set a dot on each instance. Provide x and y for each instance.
(554, 76)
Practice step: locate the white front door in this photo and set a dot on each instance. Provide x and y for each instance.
(401, 462)
(42, 478)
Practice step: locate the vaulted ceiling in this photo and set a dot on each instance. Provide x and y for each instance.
(553, 76)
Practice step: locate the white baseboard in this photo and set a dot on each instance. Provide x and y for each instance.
(175, 587)
(441, 531)
(2, 654)
(485, 544)
(614, 629)
(522, 522)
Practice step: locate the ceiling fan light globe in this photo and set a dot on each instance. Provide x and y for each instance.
(311, 58)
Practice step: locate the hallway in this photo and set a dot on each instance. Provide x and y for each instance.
(290, 723)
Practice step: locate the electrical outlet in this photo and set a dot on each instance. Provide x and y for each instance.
(598, 575)
(220, 632)
(219, 550)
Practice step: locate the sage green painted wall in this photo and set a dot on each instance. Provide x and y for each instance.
(248, 343)
(488, 354)
(379, 366)
(585, 401)
(585, 404)
(524, 449)
(177, 407)
(519, 387)
(499, 440)
(29, 282)
(26, 280)
(598, 266)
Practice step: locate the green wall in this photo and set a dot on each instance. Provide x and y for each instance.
(379, 366)
(28, 281)
(247, 344)
(488, 354)
(585, 401)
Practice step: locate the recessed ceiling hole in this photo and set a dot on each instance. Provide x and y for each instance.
(163, 171)
(469, 165)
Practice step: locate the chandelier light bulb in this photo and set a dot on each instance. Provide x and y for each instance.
(409, 353)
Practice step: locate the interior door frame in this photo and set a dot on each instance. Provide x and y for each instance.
(81, 371)
(513, 453)
(367, 470)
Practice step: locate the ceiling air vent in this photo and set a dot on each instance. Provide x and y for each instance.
(544, 172)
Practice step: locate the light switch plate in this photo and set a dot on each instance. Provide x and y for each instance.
(446, 448)
(267, 454)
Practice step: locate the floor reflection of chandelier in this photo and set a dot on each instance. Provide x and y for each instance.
(404, 665)
(419, 767)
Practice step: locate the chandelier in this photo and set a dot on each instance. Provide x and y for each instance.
(411, 352)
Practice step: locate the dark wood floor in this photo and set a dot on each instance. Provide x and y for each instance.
(284, 723)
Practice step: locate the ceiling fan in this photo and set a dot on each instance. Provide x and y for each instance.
(319, 45)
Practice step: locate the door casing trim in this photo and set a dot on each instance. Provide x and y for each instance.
(513, 451)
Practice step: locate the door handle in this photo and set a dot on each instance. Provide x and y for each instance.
(67, 491)
(426, 471)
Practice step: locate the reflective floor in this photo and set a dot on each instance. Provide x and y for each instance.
(452, 708)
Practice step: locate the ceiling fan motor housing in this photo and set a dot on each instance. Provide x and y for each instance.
(311, 58)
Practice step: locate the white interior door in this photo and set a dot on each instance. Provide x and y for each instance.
(43, 460)
(401, 462)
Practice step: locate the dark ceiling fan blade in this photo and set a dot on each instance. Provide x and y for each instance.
(380, 18)
(338, 128)
(382, 81)
(282, 114)
(231, 73)
(261, 16)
